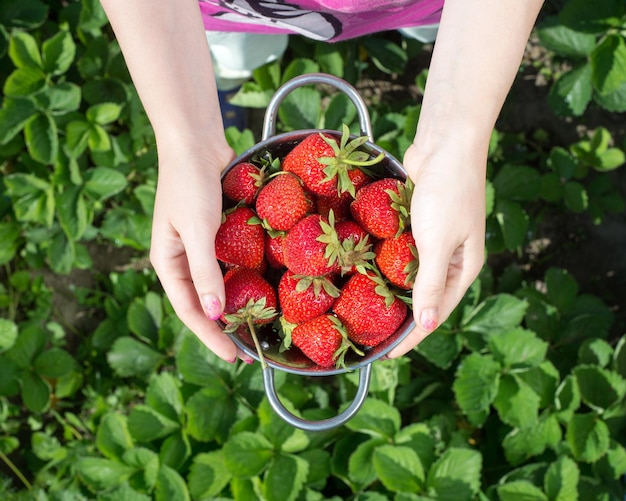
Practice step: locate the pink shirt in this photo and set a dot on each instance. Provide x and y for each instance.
(330, 20)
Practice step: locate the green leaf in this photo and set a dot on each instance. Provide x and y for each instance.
(141, 322)
(520, 490)
(301, 109)
(285, 478)
(10, 237)
(595, 352)
(513, 222)
(441, 348)
(613, 101)
(571, 93)
(58, 53)
(164, 396)
(100, 474)
(24, 52)
(376, 418)
(476, 382)
(518, 348)
(399, 468)
(599, 388)
(521, 444)
(567, 398)
(562, 288)
(42, 138)
(35, 392)
(247, 454)
(54, 363)
(196, 363)
(129, 357)
(283, 436)
(561, 480)
(29, 343)
(13, 116)
(63, 98)
(517, 404)
(543, 379)
(361, 469)
(563, 163)
(103, 113)
(123, 493)
(386, 55)
(557, 37)
(517, 182)
(113, 438)
(496, 314)
(8, 333)
(210, 412)
(76, 138)
(61, 254)
(144, 459)
(581, 15)
(104, 182)
(72, 212)
(170, 485)
(145, 424)
(24, 82)
(99, 141)
(575, 196)
(588, 437)
(208, 475)
(619, 357)
(175, 450)
(612, 465)
(456, 475)
(608, 64)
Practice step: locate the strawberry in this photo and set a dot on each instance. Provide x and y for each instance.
(282, 202)
(303, 299)
(250, 301)
(397, 259)
(274, 250)
(304, 251)
(382, 207)
(356, 249)
(340, 203)
(368, 309)
(242, 182)
(323, 165)
(238, 242)
(244, 284)
(324, 340)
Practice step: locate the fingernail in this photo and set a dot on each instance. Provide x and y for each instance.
(212, 306)
(428, 319)
(248, 360)
(232, 361)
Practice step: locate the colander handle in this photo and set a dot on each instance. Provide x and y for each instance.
(271, 113)
(325, 424)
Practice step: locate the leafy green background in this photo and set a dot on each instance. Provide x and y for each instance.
(105, 395)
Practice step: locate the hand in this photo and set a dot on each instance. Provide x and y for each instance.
(448, 224)
(187, 215)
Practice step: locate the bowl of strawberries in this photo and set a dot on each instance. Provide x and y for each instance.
(317, 252)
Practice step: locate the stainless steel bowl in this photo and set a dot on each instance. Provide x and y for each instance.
(292, 360)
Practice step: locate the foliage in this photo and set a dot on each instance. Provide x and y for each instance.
(519, 395)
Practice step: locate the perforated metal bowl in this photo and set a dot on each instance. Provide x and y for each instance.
(293, 360)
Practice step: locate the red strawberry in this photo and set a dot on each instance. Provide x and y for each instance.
(356, 248)
(242, 182)
(304, 250)
(323, 165)
(238, 242)
(340, 203)
(250, 301)
(282, 202)
(242, 285)
(397, 259)
(274, 250)
(323, 339)
(382, 207)
(369, 311)
(303, 299)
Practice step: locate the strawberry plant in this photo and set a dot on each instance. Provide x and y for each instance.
(105, 394)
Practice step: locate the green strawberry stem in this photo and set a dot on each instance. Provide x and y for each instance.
(257, 345)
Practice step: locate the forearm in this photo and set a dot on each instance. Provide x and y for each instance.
(166, 52)
(476, 57)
